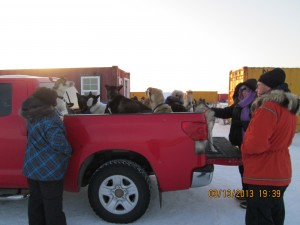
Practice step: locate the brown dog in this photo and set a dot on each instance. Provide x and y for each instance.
(157, 101)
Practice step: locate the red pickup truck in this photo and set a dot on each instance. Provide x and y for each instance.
(114, 154)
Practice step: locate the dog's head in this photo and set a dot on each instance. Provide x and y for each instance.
(82, 102)
(202, 107)
(85, 102)
(189, 95)
(112, 91)
(62, 84)
(92, 99)
(155, 96)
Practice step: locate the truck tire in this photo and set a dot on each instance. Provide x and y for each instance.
(119, 191)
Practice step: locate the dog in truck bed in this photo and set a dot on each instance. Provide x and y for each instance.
(90, 104)
(118, 103)
(157, 101)
(61, 86)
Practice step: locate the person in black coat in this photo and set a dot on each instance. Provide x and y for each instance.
(175, 100)
(239, 112)
(175, 103)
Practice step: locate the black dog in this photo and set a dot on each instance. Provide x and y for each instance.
(89, 104)
(118, 103)
(82, 103)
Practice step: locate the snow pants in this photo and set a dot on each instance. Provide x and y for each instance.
(45, 206)
(265, 205)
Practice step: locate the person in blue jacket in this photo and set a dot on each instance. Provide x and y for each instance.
(46, 158)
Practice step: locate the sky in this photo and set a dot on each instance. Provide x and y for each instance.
(167, 44)
(189, 207)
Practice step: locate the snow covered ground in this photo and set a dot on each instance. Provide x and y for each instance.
(187, 207)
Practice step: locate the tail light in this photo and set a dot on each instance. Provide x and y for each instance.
(195, 130)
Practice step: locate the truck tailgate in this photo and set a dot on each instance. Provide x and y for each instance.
(226, 154)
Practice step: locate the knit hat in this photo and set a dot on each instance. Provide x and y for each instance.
(251, 83)
(273, 78)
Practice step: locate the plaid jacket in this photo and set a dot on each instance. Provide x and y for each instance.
(48, 151)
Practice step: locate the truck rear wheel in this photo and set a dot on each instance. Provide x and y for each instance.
(119, 191)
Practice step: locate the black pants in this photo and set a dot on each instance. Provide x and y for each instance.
(241, 170)
(45, 203)
(265, 206)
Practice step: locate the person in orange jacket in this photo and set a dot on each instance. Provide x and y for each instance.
(265, 149)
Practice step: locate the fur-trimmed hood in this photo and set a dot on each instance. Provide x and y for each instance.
(285, 99)
(34, 109)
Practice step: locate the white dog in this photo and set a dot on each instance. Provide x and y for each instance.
(210, 119)
(61, 86)
(94, 105)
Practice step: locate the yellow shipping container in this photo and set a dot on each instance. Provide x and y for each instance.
(139, 95)
(240, 75)
(210, 97)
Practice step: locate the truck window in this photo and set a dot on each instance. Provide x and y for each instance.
(5, 99)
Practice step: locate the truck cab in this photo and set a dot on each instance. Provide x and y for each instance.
(14, 89)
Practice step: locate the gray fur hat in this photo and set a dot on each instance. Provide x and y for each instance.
(42, 103)
(46, 95)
